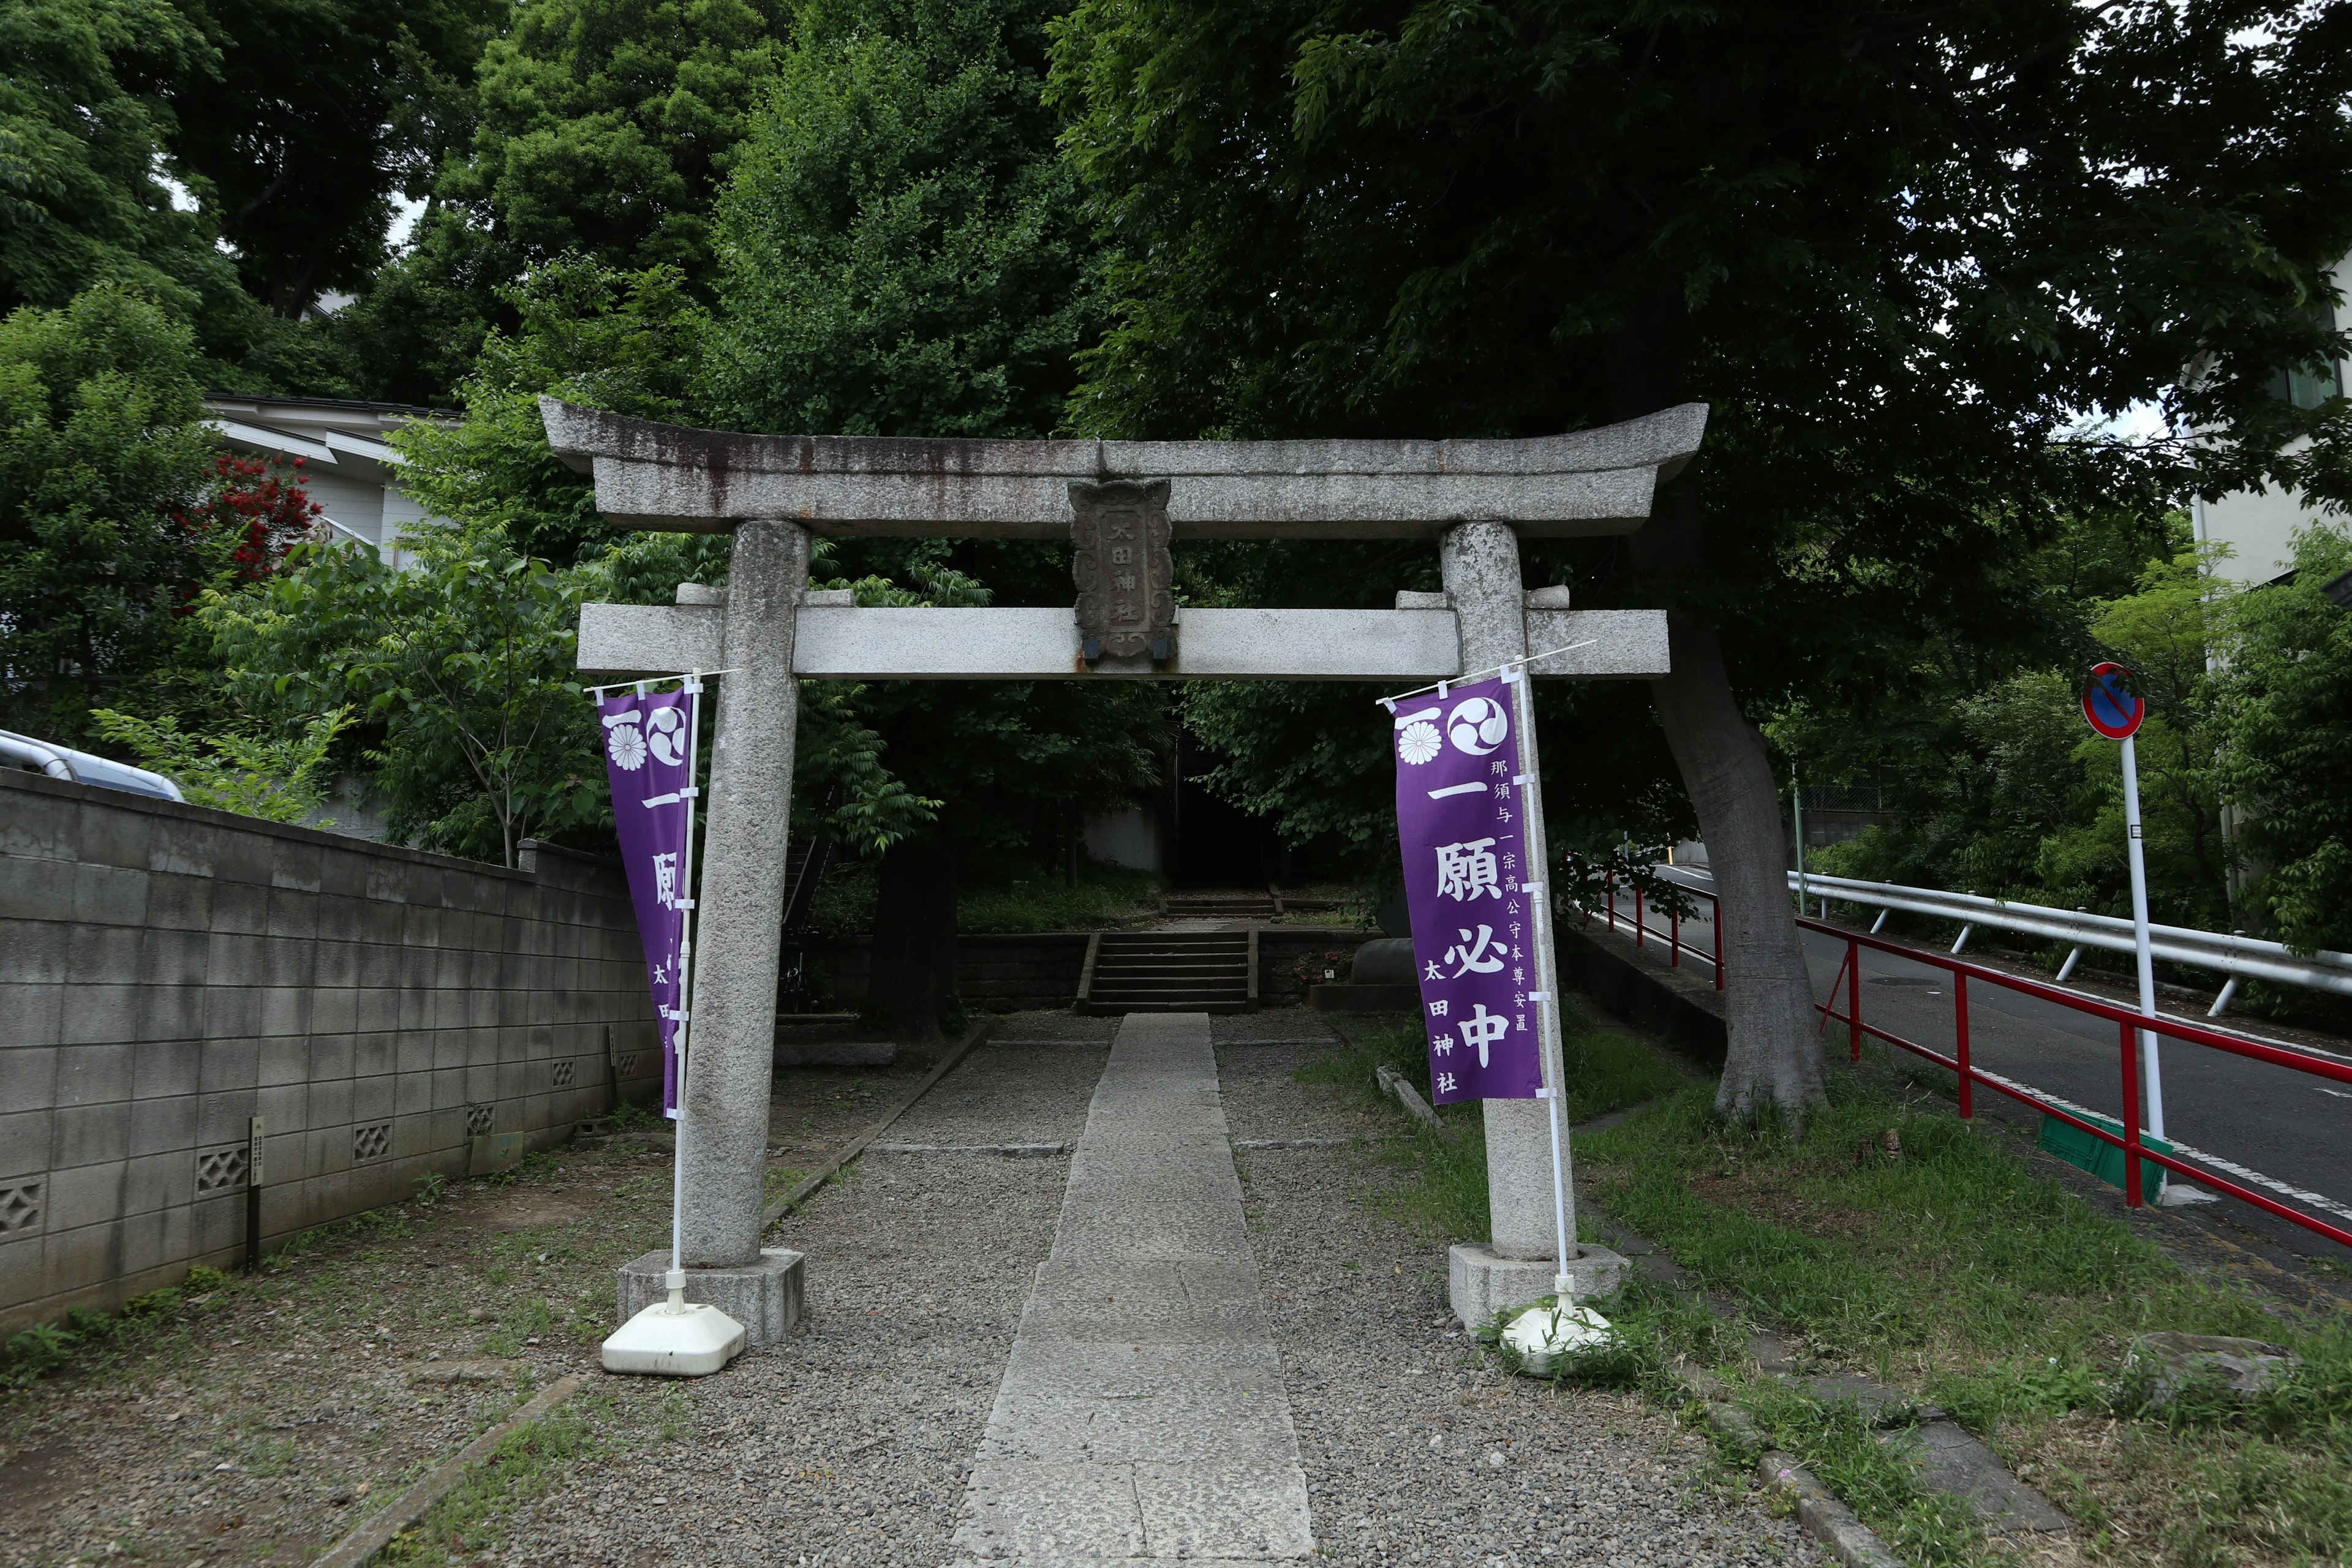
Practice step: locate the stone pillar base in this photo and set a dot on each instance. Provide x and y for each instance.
(1481, 1283)
(765, 1297)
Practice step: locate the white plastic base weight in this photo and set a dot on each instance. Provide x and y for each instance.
(1541, 1335)
(675, 1339)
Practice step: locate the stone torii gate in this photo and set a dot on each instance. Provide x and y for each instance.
(1120, 502)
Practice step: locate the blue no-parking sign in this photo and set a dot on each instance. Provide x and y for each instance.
(2111, 705)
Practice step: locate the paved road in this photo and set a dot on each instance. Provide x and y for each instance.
(2287, 1125)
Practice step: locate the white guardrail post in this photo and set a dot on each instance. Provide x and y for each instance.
(2237, 958)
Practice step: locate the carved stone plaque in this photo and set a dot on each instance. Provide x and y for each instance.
(1124, 573)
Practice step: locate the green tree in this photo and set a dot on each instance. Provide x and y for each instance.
(903, 250)
(461, 657)
(902, 254)
(2288, 705)
(1897, 250)
(597, 129)
(85, 120)
(310, 115)
(100, 445)
(623, 341)
(236, 767)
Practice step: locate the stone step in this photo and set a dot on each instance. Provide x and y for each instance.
(1104, 993)
(1176, 939)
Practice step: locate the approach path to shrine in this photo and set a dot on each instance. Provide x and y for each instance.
(946, 1323)
(1143, 1413)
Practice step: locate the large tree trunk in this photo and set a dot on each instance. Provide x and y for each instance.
(1775, 1054)
(915, 939)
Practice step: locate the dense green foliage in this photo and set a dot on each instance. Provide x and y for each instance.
(902, 250)
(1849, 231)
(99, 447)
(242, 769)
(313, 114)
(462, 655)
(83, 127)
(600, 129)
(2288, 700)
(1978, 744)
(1897, 251)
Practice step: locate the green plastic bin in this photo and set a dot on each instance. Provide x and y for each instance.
(2103, 1160)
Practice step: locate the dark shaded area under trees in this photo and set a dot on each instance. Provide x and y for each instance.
(1896, 249)
(1899, 252)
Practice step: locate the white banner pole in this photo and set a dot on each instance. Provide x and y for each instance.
(1529, 784)
(685, 975)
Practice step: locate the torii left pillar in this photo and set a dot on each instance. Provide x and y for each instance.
(738, 929)
(1480, 562)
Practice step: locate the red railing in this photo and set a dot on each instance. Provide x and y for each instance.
(2129, 1025)
(1675, 945)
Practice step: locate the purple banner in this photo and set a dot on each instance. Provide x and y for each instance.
(1458, 820)
(649, 755)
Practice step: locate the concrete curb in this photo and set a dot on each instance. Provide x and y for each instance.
(1824, 1517)
(376, 1533)
(1408, 1096)
(857, 1146)
(1818, 1510)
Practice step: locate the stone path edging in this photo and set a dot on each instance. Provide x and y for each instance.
(857, 1146)
(373, 1536)
(1817, 1510)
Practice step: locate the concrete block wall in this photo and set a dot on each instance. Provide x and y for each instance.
(168, 972)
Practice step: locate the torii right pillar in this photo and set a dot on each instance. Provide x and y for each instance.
(1481, 567)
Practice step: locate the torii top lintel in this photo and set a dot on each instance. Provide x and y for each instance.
(671, 477)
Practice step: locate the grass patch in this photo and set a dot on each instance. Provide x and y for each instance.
(1955, 1274)
(90, 1342)
(527, 1465)
(1447, 1196)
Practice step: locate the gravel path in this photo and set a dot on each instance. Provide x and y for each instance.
(259, 1422)
(1414, 1453)
(849, 1444)
(244, 1430)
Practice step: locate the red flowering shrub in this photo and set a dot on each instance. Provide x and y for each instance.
(256, 511)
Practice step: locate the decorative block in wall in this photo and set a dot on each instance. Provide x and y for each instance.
(219, 1169)
(371, 1141)
(480, 1119)
(563, 1072)
(20, 1207)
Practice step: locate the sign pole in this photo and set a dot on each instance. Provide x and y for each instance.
(253, 1196)
(1797, 816)
(2143, 959)
(1529, 783)
(2114, 708)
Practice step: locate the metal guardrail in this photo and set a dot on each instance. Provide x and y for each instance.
(2238, 957)
(2134, 1030)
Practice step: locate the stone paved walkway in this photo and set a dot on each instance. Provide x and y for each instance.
(1143, 1413)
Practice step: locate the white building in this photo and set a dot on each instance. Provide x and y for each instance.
(349, 467)
(2260, 529)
